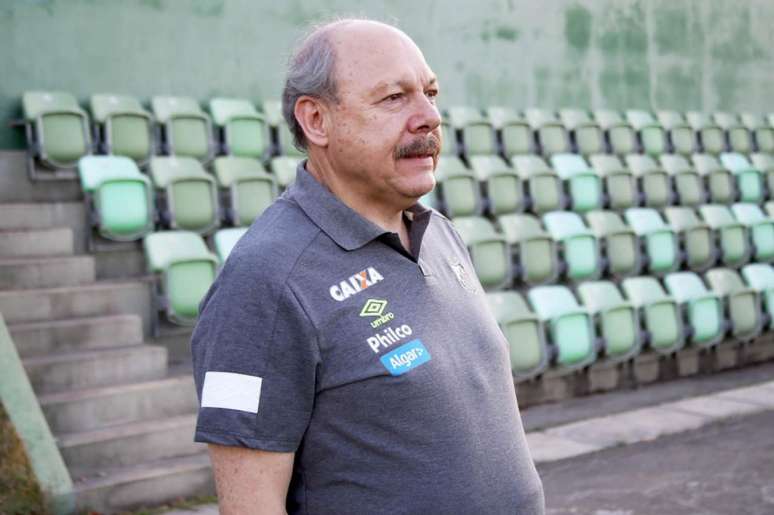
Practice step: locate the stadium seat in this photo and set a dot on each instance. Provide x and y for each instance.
(688, 184)
(620, 185)
(738, 136)
(535, 249)
(769, 207)
(763, 133)
(617, 320)
(504, 191)
(659, 311)
(489, 252)
(186, 195)
(450, 145)
(184, 268)
(710, 135)
(57, 132)
(284, 169)
(761, 229)
(681, 135)
(119, 198)
(620, 135)
(765, 164)
(579, 248)
(544, 186)
(703, 309)
(653, 140)
(659, 239)
(749, 180)
(584, 186)
(585, 134)
(123, 127)
(283, 138)
(524, 332)
(760, 277)
(250, 188)
(653, 181)
(742, 303)
(478, 136)
(242, 128)
(549, 131)
(733, 241)
(186, 130)
(696, 237)
(226, 239)
(570, 327)
(621, 244)
(515, 134)
(458, 188)
(718, 182)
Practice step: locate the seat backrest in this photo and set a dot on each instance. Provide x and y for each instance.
(530, 164)
(607, 118)
(599, 295)
(675, 163)
(606, 163)
(537, 117)
(552, 301)
(706, 163)
(501, 116)
(605, 222)
(567, 165)
(226, 240)
(760, 276)
(163, 248)
(735, 162)
(103, 105)
(670, 119)
(724, 281)
(450, 166)
(748, 213)
(639, 119)
(753, 121)
(699, 120)
(508, 305)
(642, 291)
(95, 169)
(284, 169)
(35, 103)
(562, 224)
(518, 227)
(223, 109)
(165, 107)
(685, 286)
(641, 163)
(488, 166)
(681, 218)
(716, 215)
(763, 162)
(572, 118)
(644, 220)
(726, 120)
(460, 116)
(229, 169)
(474, 228)
(164, 169)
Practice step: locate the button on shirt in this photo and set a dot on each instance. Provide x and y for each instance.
(382, 369)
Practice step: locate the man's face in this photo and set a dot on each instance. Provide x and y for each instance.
(385, 136)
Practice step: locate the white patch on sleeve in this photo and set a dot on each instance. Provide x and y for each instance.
(228, 390)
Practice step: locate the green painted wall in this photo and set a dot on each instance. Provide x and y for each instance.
(682, 54)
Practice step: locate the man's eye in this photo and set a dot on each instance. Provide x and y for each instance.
(393, 97)
(432, 94)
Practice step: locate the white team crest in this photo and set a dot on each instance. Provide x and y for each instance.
(462, 275)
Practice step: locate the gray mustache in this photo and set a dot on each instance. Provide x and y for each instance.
(420, 147)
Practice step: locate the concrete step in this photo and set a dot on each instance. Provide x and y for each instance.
(146, 484)
(101, 298)
(45, 216)
(88, 452)
(85, 410)
(96, 367)
(56, 241)
(77, 334)
(15, 185)
(46, 272)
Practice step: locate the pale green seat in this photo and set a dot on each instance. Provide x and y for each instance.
(733, 237)
(761, 229)
(681, 135)
(617, 319)
(185, 269)
(524, 332)
(769, 207)
(697, 238)
(703, 308)
(449, 145)
(570, 326)
(584, 186)
(503, 185)
(225, 241)
(749, 180)
(550, 133)
(536, 250)
(580, 249)
(738, 136)
(653, 180)
(688, 184)
(659, 239)
(621, 244)
(652, 137)
(710, 135)
(620, 184)
(515, 133)
(621, 137)
(765, 164)
(190, 194)
(458, 188)
(584, 132)
(284, 169)
(119, 198)
(760, 277)
(186, 128)
(243, 128)
(125, 128)
(762, 132)
(250, 188)
(718, 182)
(742, 303)
(489, 252)
(659, 311)
(282, 137)
(543, 184)
(57, 131)
(478, 135)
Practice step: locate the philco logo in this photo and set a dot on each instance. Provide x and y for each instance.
(355, 284)
(375, 308)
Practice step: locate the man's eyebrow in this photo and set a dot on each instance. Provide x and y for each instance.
(383, 86)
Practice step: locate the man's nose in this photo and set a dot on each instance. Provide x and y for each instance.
(426, 117)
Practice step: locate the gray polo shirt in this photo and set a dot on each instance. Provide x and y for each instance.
(383, 370)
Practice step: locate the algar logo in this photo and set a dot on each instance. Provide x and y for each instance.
(355, 284)
(375, 308)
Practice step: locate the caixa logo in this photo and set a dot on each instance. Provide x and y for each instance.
(355, 284)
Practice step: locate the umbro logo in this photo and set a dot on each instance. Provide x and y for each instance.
(355, 284)
(375, 308)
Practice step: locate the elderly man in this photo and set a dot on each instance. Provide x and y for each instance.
(345, 358)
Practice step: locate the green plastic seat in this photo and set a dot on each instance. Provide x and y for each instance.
(543, 184)
(489, 252)
(659, 311)
(718, 182)
(186, 269)
(284, 169)
(478, 135)
(524, 332)
(703, 308)
(190, 194)
(584, 185)
(621, 244)
(653, 140)
(761, 229)
(579, 248)
(537, 253)
(742, 303)
(186, 129)
(570, 326)
(502, 184)
(283, 139)
(250, 188)
(653, 180)
(549, 131)
(762, 132)
(697, 238)
(760, 277)
(617, 320)
(458, 188)
(765, 164)
(659, 239)
(585, 133)
(733, 237)
(620, 184)
(739, 136)
(226, 239)
(57, 131)
(688, 184)
(119, 198)
(681, 135)
(125, 128)
(621, 137)
(749, 180)
(769, 207)
(242, 126)
(449, 136)
(711, 137)
(515, 133)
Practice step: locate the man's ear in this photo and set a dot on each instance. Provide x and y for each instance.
(311, 114)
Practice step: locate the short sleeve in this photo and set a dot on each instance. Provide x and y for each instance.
(255, 359)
